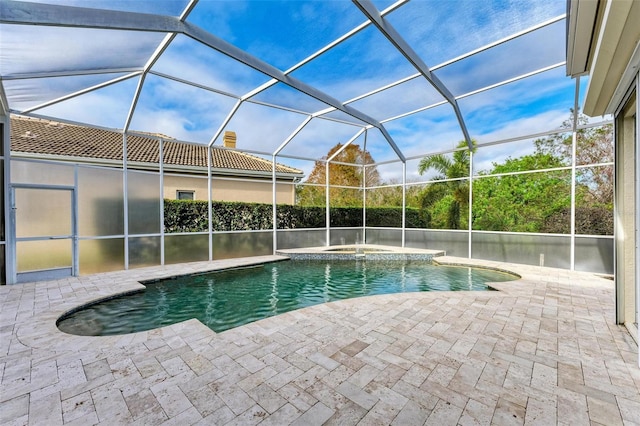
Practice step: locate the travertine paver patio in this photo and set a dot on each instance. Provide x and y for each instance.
(542, 350)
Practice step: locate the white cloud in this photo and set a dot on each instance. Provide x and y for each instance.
(217, 17)
(547, 120)
(318, 137)
(170, 123)
(443, 30)
(261, 128)
(27, 49)
(29, 93)
(285, 96)
(180, 111)
(400, 99)
(517, 57)
(191, 61)
(107, 107)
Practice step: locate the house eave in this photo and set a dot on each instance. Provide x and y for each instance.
(609, 44)
(581, 25)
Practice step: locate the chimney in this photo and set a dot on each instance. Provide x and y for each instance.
(229, 139)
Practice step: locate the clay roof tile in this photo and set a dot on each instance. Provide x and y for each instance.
(37, 136)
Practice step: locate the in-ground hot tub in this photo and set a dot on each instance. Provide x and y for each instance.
(360, 251)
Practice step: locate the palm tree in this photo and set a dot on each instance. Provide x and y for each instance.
(456, 168)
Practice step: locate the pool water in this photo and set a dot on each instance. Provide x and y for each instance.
(227, 299)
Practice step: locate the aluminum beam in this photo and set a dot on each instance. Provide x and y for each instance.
(371, 12)
(458, 58)
(4, 103)
(70, 73)
(475, 92)
(154, 58)
(292, 135)
(26, 13)
(224, 124)
(324, 50)
(80, 92)
(239, 55)
(16, 12)
(349, 142)
(150, 63)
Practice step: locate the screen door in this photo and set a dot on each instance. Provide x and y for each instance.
(45, 243)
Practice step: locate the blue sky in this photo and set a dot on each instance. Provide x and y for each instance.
(284, 33)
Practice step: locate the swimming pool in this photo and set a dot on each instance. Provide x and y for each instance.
(227, 299)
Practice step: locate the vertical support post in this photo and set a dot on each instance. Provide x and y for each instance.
(574, 143)
(470, 208)
(74, 224)
(161, 171)
(364, 193)
(637, 201)
(326, 196)
(573, 202)
(274, 200)
(273, 171)
(618, 246)
(364, 204)
(125, 190)
(209, 203)
(9, 216)
(404, 202)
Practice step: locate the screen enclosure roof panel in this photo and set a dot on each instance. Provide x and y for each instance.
(295, 78)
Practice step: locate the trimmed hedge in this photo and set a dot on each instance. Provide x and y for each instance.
(292, 217)
(191, 216)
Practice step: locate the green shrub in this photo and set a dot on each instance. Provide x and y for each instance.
(594, 220)
(185, 216)
(191, 216)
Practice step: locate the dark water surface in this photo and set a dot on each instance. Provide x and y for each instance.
(227, 299)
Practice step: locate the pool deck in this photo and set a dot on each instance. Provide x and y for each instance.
(542, 350)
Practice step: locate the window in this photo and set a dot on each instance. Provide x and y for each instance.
(185, 195)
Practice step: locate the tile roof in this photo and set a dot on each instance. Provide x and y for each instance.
(38, 136)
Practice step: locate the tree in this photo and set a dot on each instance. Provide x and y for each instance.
(541, 201)
(593, 146)
(345, 170)
(444, 202)
(594, 185)
(522, 202)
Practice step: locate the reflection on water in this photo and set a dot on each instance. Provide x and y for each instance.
(223, 300)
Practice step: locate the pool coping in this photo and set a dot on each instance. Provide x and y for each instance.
(45, 323)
